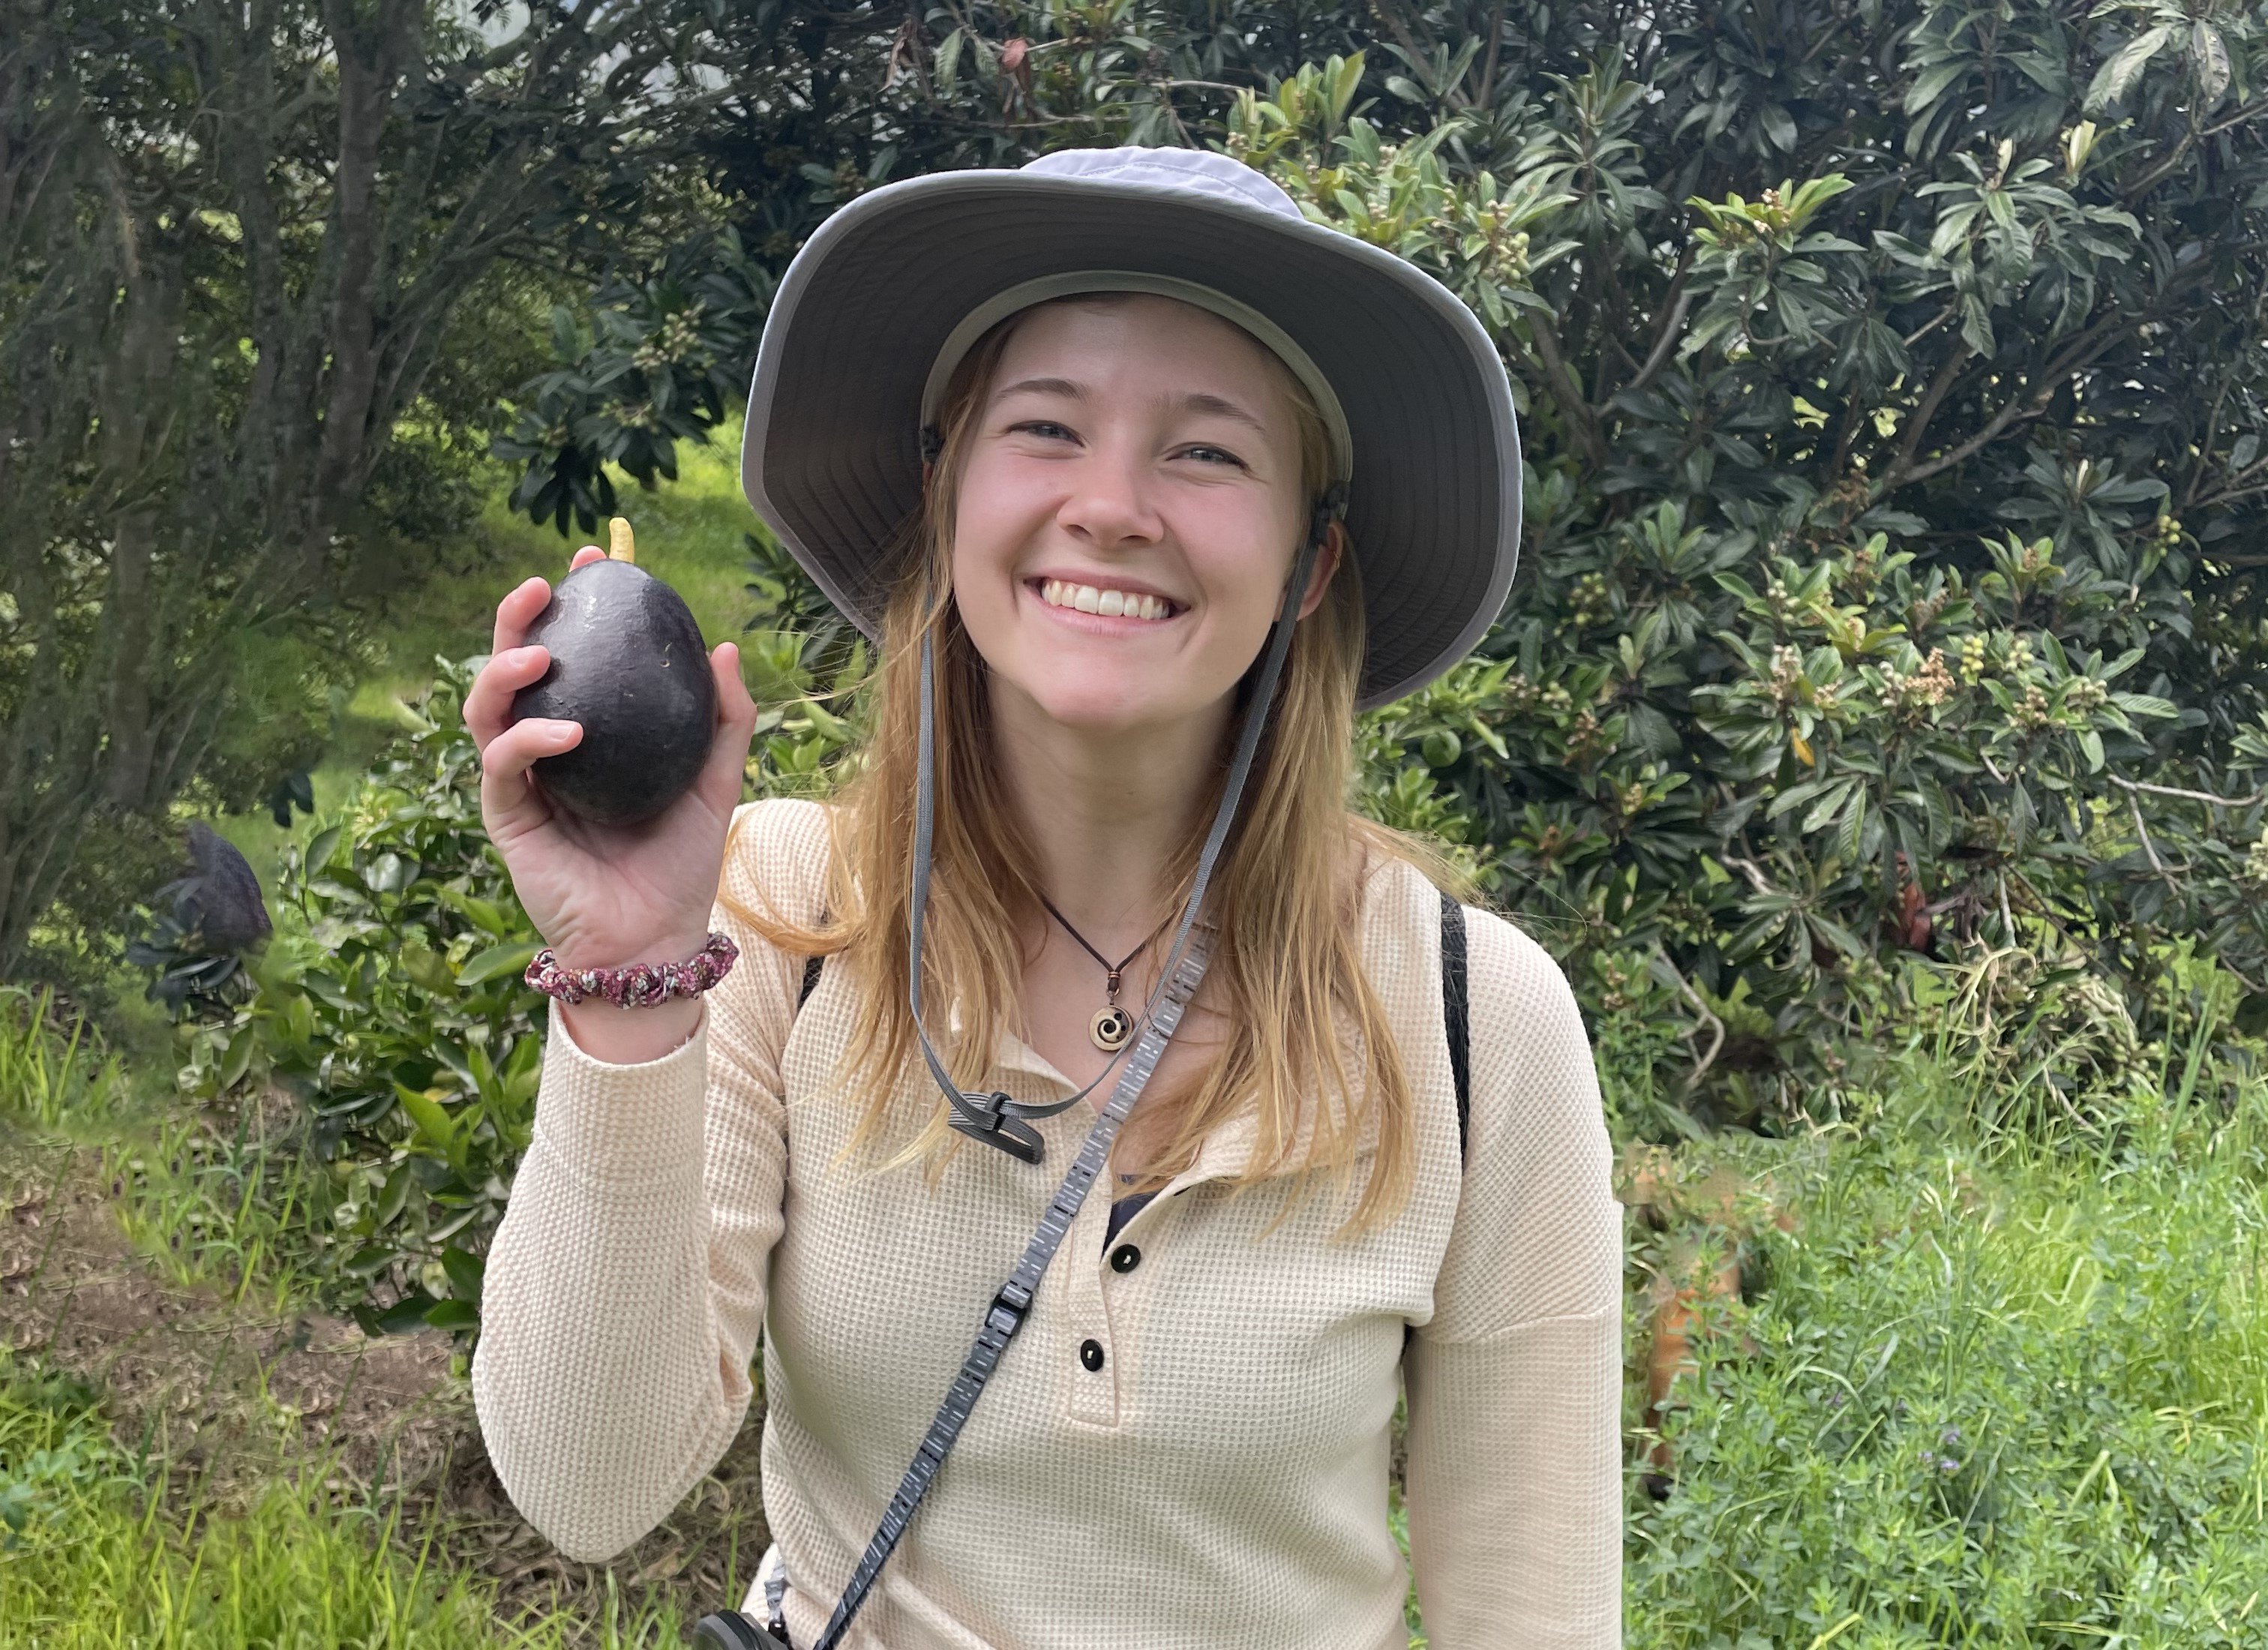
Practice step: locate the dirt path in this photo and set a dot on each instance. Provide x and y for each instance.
(233, 1398)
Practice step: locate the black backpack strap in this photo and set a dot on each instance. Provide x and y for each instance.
(1456, 1024)
(1456, 1009)
(811, 967)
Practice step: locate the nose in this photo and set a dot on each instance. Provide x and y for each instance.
(1109, 505)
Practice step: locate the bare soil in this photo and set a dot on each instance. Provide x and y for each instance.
(230, 1399)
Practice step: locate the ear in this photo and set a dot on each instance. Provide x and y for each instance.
(1327, 562)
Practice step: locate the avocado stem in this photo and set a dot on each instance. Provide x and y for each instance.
(619, 546)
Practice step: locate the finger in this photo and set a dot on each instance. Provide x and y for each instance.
(724, 772)
(488, 705)
(516, 612)
(509, 802)
(584, 556)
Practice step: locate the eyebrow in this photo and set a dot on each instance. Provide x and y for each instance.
(1196, 401)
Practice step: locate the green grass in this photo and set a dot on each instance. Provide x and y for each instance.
(215, 1208)
(46, 1080)
(96, 1555)
(2003, 1391)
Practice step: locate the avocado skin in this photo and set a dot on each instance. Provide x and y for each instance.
(629, 664)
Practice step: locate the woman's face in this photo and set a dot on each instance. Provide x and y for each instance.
(1129, 512)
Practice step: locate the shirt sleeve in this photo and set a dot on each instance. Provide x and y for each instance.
(625, 1293)
(1515, 1385)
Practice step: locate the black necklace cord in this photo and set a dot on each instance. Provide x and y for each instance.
(1113, 970)
(993, 1117)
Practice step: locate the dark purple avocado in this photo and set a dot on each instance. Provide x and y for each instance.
(629, 664)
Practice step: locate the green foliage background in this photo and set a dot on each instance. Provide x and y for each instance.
(1876, 731)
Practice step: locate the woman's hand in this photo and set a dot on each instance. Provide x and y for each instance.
(603, 895)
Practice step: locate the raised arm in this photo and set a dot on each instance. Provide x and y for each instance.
(625, 1288)
(1514, 1387)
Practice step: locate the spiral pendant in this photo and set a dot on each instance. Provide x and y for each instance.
(1110, 1029)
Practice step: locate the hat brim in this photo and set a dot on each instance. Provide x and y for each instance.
(831, 457)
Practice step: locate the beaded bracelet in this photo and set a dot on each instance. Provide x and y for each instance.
(635, 984)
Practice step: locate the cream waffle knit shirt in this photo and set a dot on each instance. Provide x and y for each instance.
(1219, 1481)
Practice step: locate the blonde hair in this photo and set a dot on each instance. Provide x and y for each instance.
(1307, 1040)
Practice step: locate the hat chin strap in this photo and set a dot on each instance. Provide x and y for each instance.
(993, 1117)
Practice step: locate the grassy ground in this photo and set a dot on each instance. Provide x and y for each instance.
(1979, 1385)
(1988, 1388)
(99, 1548)
(193, 1453)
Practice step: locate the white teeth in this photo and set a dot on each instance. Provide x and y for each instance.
(1059, 592)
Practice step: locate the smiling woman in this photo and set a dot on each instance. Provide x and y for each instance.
(1149, 484)
(1136, 446)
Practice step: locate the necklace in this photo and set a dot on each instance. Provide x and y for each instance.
(1112, 1025)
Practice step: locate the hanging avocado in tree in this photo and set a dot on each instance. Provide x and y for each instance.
(627, 663)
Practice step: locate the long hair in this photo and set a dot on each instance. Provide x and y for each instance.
(1307, 1044)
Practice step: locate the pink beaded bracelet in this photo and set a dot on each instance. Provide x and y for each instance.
(635, 984)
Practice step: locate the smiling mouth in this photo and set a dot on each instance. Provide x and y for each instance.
(1107, 603)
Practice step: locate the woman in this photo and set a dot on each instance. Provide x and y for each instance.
(1142, 483)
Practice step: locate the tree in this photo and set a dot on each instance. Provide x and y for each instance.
(236, 236)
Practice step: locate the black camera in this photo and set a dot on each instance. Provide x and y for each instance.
(731, 1630)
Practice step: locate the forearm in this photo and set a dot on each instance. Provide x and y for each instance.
(601, 1386)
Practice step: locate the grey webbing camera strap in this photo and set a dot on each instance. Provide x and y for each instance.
(1005, 1315)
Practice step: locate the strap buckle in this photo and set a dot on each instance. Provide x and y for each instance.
(1005, 1306)
(986, 1117)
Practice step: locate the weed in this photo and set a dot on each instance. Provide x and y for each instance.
(49, 1077)
(95, 1555)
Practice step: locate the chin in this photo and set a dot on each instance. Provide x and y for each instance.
(1112, 702)
(1095, 710)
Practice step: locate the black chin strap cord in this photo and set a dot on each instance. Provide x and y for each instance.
(994, 1118)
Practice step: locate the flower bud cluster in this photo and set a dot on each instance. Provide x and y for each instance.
(2256, 863)
(1786, 681)
(679, 339)
(1973, 659)
(1592, 600)
(1927, 688)
(1523, 696)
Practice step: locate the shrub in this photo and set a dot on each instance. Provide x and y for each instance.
(1897, 442)
(390, 1001)
(1991, 1390)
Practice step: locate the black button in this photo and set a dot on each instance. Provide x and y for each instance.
(1125, 1259)
(1090, 1353)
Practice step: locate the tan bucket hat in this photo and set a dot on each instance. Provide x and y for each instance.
(881, 302)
